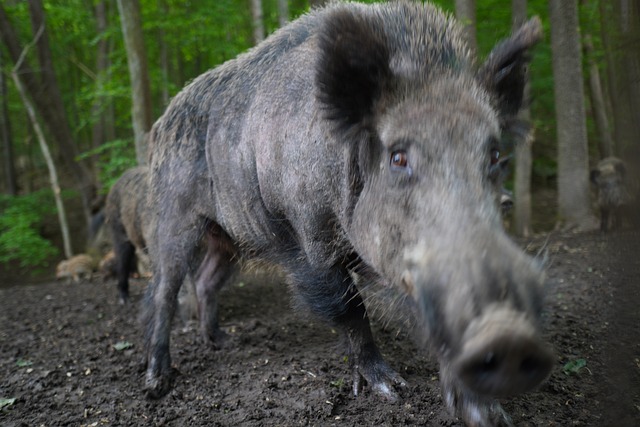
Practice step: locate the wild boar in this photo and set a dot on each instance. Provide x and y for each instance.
(358, 137)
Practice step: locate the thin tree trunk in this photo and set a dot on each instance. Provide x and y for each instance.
(605, 142)
(164, 58)
(607, 31)
(53, 175)
(102, 65)
(466, 14)
(523, 157)
(283, 12)
(5, 134)
(573, 157)
(140, 89)
(627, 53)
(256, 19)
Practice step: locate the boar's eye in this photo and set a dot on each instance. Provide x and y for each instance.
(494, 156)
(399, 159)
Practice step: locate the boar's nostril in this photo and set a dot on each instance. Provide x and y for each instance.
(530, 365)
(490, 363)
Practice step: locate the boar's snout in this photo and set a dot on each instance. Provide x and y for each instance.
(502, 355)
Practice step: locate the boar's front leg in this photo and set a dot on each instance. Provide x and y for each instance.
(333, 296)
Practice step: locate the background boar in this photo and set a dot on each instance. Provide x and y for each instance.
(358, 138)
(128, 219)
(130, 222)
(75, 268)
(610, 179)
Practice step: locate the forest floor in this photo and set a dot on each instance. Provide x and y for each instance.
(62, 360)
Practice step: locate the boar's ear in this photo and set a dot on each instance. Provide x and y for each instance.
(621, 169)
(352, 69)
(504, 71)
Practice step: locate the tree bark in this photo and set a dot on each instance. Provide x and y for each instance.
(523, 156)
(605, 142)
(466, 14)
(257, 22)
(283, 12)
(626, 54)
(573, 157)
(98, 131)
(5, 133)
(164, 58)
(53, 175)
(131, 21)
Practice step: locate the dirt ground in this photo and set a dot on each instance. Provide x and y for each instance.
(61, 355)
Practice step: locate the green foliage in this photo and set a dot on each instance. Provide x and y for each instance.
(122, 345)
(19, 238)
(6, 403)
(21, 363)
(544, 168)
(574, 366)
(114, 157)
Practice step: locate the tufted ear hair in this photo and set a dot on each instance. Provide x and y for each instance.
(503, 73)
(621, 169)
(352, 70)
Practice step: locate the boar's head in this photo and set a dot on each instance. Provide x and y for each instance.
(423, 129)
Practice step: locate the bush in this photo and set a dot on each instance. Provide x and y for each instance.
(20, 217)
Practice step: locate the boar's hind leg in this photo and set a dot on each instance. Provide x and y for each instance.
(215, 271)
(333, 296)
(174, 247)
(125, 254)
(604, 219)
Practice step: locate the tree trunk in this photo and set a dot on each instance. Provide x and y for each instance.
(53, 175)
(283, 12)
(523, 158)
(5, 134)
(466, 14)
(605, 142)
(46, 96)
(98, 131)
(256, 20)
(573, 157)
(626, 53)
(131, 21)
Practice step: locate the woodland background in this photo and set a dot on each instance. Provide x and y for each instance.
(84, 80)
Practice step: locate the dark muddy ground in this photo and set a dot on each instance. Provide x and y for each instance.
(59, 361)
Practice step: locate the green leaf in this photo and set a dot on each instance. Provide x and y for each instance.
(5, 403)
(122, 345)
(337, 383)
(574, 366)
(22, 363)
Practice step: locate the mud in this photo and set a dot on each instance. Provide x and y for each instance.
(61, 361)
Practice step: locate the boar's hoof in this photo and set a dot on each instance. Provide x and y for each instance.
(158, 387)
(503, 356)
(159, 381)
(380, 378)
(215, 337)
